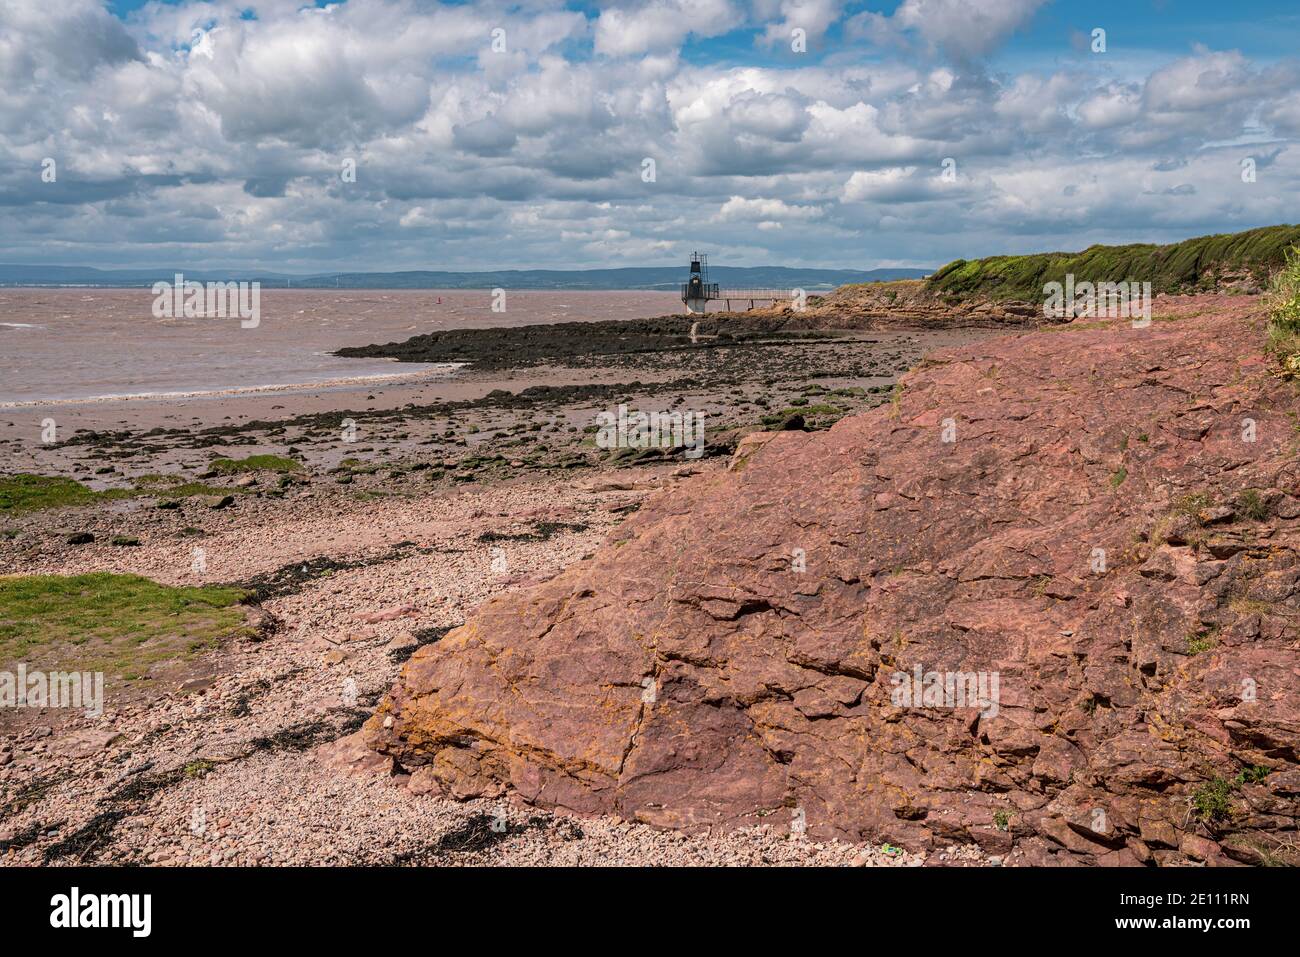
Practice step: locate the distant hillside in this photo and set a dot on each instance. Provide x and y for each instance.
(1194, 265)
(653, 277)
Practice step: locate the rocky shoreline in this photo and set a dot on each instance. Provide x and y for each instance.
(1103, 522)
(228, 767)
(374, 547)
(898, 305)
(447, 525)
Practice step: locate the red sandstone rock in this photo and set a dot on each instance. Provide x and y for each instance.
(350, 755)
(388, 614)
(690, 674)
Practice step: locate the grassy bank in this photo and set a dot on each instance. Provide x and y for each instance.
(1194, 265)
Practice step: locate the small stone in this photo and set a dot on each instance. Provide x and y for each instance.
(402, 642)
(1215, 514)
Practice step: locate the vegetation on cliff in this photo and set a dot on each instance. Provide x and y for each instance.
(1284, 314)
(1194, 265)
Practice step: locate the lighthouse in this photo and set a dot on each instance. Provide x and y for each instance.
(697, 290)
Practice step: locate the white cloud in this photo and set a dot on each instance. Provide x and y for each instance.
(899, 184)
(740, 209)
(225, 145)
(962, 29)
(1113, 106)
(68, 38)
(661, 25)
(1194, 83)
(814, 17)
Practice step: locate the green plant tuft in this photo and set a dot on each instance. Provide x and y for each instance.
(1284, 314)
(1251, 505)
(1212, 801)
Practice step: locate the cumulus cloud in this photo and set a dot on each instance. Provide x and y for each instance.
(741, 209)
(661, 25)
(195, 133)
(485, 137)
(813, 17)
(962, 29)
(72, 38)
(1115, 105)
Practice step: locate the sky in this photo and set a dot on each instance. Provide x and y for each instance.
(294, 136)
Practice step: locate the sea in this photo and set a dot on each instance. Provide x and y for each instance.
(79, 345)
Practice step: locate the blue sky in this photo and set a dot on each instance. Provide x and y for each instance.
(1266, 28)
(222, 133)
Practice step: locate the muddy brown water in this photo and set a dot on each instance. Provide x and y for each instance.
(58, 345)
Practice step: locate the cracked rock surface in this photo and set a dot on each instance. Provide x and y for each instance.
(1103, 520)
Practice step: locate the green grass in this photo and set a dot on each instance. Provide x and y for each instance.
(1251, 505)
(117, 624)
(255, 463)
(809, 413)
(1194, 265)
(1192, 504)
(198, 768)
(26, 492)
